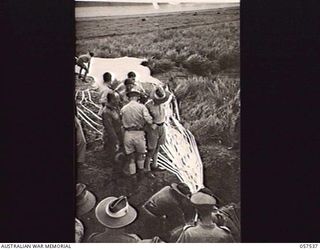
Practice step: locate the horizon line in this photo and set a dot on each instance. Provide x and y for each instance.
(162, 1)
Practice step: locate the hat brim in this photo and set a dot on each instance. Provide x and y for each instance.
(79, 231)
(133, 93)
(88, 205)
(175, 188)
(158, 100)
(110, 222)
(205, 201)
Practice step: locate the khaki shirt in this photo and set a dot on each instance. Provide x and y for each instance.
(114, 236)
(204, 234)
(157, 111)
(135, 114)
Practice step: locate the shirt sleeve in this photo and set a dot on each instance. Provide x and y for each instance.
(146, 115)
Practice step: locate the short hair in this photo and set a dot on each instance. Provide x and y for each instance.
(128, 81)
(183, 188)
(111, 97)
(91, 54)
(131, 74)
(107, 77)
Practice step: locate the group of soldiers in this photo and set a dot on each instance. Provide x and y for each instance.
(171, 215)
(133, 125)
(133, 132)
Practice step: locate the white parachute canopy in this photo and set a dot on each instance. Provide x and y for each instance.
(119, 68)
(180, 154)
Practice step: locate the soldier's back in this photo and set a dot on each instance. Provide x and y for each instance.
(114, 237)
(200, 233)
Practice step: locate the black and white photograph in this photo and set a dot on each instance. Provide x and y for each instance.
(157, 121)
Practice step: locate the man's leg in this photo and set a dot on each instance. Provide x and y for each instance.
(152, 143)
(130, 171)
(129, 150)
(130, 166)
(155, 157)
(85, 74)
(160, 140)
(140, 165)
(79, 76)
(147, 161)
(140, 147)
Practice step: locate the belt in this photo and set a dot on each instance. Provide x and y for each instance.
(133, 129)
(160, 124)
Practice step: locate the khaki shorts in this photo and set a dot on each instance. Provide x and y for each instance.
(156, 137)
(134, 141)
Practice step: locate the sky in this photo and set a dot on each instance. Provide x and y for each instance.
(167, 1)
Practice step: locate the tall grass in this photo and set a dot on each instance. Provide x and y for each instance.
(209, 107)
(202, 50)
(209, 104)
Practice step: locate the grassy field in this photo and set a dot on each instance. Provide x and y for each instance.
(198, 54)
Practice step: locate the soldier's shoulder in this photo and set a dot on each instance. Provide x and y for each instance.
(125, 107)
(188, 226)
(226, 235)
(225, 229)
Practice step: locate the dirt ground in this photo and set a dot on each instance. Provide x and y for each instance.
(220, 173)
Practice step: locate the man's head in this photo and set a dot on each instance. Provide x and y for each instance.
(207, 191)
(112, 99)
(133, 94)
(181, 189)
(91, 54)
(131, 75)
(203, 203)
(107, 77)
(129, 84)
(159, 95)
